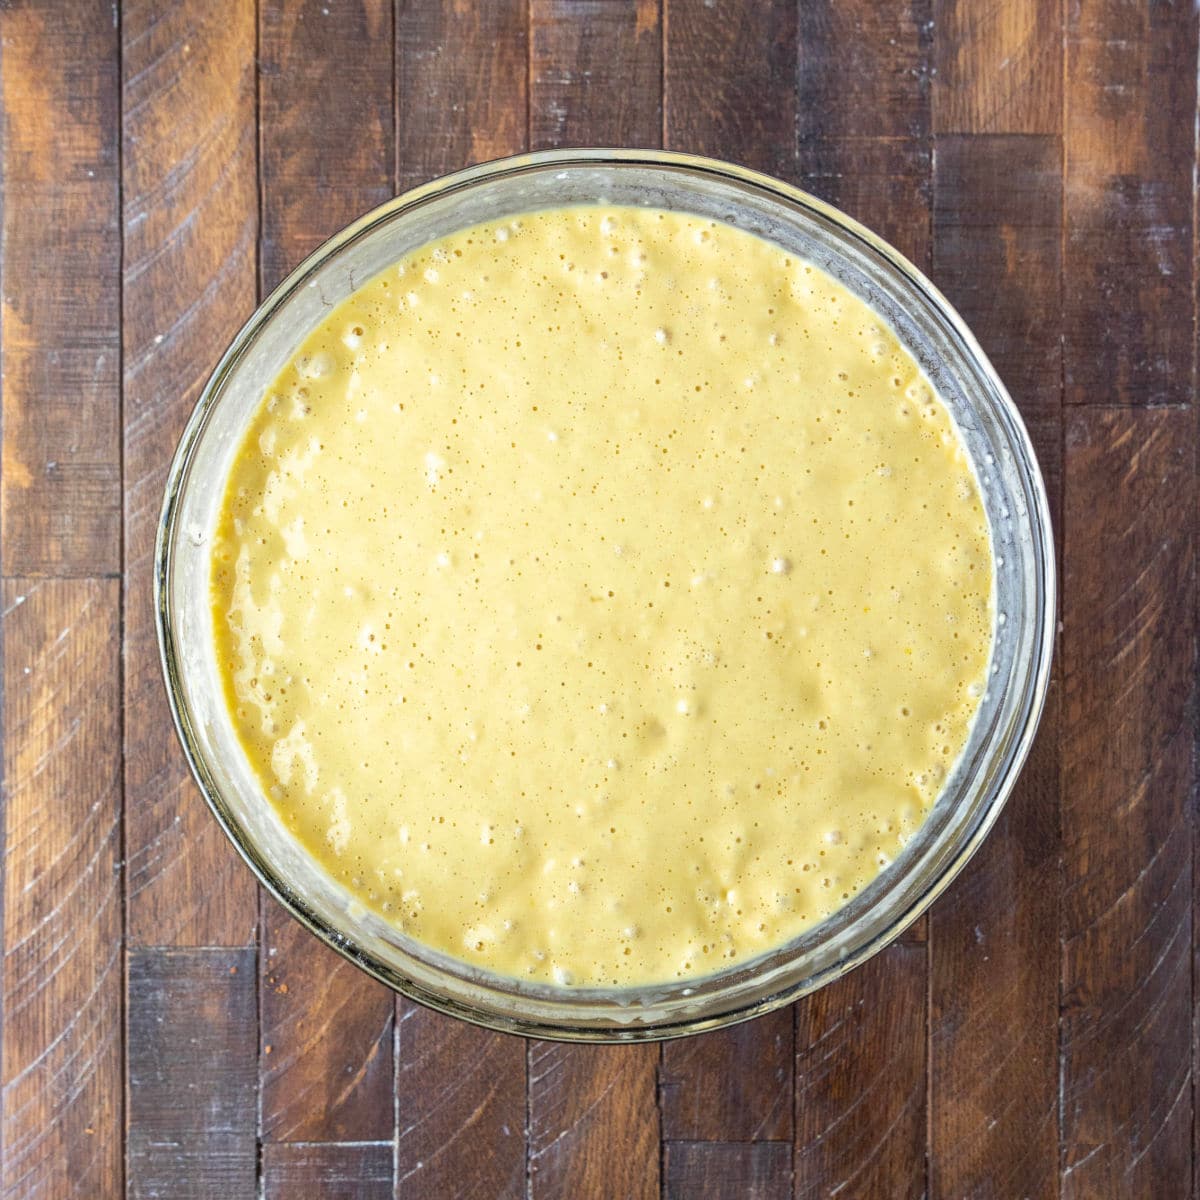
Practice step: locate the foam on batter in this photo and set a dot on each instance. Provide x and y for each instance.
(603, 595)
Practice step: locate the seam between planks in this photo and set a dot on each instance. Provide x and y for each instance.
(1195, 591)
(1064, 128)
(122, 591)
(77, 576)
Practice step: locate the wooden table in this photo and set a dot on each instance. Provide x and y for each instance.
(170, 1032)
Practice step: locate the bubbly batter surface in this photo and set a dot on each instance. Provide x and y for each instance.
(603, 595)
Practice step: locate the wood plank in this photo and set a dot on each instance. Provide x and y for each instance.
(327, 150)
(325, 123)
(860, 1081)
(882, 182)
(595, 73)
(60, 256)
(460, 1103)
(190, 204)
(190, 1044)
(729, 82)
(461, 85)
(993, 1094)
(728, 1171)
(61, 821)
(362, 1171)
(994, 939)
(1129, 129)
(869, 154)
(326, 1067)
(733, 1085)
(997, 224)
(593, 1124)
(875, 59)
(1129, 709)
(999, 66)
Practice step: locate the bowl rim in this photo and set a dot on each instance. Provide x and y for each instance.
(1040, 529)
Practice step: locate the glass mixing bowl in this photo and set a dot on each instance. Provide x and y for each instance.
(1013, 495)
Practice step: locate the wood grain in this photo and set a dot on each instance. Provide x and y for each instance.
(325, 123)
(728, 1171)
(460, 1104)
(876, 58)
(1129, 130)
(61, 998)
(733, 1085)
(192, 1065)
(993, 1071)
(309, 1170)
(999, 66)
(729, 82)
(60, 254)
(189, 282)
(595, 73)
(326, 1066)
(882, 182)
(997, 221)
(860, 1081)
(870, 155)
(461, 85)
(1129, 664)
(327, 145)
(593, 1125)
(994, 938)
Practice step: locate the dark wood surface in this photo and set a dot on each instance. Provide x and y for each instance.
(168, 1032)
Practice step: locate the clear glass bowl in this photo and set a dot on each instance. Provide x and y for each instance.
(1014, 497)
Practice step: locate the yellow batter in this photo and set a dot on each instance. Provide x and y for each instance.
(603, 595)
